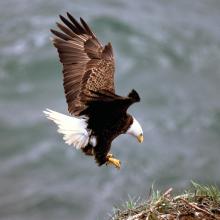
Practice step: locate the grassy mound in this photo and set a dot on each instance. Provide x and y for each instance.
(198, 203)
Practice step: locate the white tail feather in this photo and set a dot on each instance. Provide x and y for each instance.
(73, 128)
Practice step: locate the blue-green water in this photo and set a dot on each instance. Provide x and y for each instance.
(168, 50)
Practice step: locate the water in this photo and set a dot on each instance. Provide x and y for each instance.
(168, 50)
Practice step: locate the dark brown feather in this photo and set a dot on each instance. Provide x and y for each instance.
(87, 28)
(79, 28)
(61, 35)
(68, 24)
(66, 30)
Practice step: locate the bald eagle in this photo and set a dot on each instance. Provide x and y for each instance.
(98, 115)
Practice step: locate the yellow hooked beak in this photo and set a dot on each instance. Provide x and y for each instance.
(140, 138)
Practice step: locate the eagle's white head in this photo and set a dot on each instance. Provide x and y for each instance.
(136, 130)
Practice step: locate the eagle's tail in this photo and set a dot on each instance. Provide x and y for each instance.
(73, 129)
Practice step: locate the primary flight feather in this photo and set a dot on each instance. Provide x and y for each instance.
(98, 115)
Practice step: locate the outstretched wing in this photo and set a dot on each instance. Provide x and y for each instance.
(104, 106)
(87, 65)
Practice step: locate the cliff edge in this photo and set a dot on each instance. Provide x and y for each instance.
(197, 203)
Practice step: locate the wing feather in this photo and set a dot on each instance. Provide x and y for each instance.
(79, 29)
(87, 65)
(105, 107)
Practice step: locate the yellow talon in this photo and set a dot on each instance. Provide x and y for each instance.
(113, 161)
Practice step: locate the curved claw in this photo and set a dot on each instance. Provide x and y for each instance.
(113, 161)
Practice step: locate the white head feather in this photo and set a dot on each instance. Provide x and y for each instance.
(136, 130)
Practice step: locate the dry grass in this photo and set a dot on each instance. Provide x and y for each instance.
(198, 203)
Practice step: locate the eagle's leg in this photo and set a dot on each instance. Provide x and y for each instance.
(88, 150)
(110, 155)
(111, 160)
